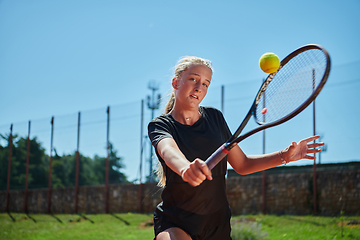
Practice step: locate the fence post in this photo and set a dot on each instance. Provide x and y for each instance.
(77, 167)
(264, 172)
(314, 166)
(9, 169)
(222, 98)
(107, 161)
(50, 165)
(27, 170)
(141, 155)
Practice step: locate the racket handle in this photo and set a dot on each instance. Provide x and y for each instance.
(217, 156)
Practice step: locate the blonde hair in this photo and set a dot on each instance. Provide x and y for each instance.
(182, 65)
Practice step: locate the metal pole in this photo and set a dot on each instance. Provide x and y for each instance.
(222, 98)
(323, 150)
(50, 166)
(152, 104)
(151, 176)
(107, 162)
(27, 170)
(314, 165)
(77, 167)
(151, 149)
(263, 172)
(141, 155)
(9, 169)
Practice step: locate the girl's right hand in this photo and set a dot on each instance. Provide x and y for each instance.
(196, 173)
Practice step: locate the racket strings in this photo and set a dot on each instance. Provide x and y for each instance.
(292, 85)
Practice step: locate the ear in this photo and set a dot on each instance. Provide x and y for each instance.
(175, 83)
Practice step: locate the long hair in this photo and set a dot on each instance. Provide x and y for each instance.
(182, 65)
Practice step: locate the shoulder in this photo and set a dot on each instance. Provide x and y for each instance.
(215, 116)
(163, 122)
(159, 128)
(162, 119)
(212, 112)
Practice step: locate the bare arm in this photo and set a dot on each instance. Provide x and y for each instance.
(244, 164)
(192, 172)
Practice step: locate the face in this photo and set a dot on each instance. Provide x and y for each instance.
(191, 87)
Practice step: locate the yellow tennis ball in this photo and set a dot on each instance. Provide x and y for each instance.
(269, 62)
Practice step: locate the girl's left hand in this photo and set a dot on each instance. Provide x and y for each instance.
(300, 150)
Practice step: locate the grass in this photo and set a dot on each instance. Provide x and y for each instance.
(99, 226)
(298, 227)
(138, 226)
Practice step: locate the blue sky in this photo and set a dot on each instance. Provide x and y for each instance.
(61, 57)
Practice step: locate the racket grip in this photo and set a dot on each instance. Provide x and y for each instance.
(217, 156)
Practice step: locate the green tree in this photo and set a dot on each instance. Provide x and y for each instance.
(37, 172)
(38, 162)
(115, 167)
(4, 157)
(60, 171)
(91, 171)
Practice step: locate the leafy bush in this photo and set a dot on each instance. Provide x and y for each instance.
(247, 230)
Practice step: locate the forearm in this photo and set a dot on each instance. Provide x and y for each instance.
(172, 155)
(257, 163)
(194, 172)
(246, 164)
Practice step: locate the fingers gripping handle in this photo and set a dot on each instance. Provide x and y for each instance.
(217, 156)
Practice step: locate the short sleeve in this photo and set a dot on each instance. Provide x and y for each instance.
(158, 129)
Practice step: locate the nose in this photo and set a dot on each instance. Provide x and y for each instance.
(198, 87)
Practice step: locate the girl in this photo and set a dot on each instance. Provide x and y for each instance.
(194, 198)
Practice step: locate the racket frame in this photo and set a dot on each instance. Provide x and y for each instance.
(223, 150)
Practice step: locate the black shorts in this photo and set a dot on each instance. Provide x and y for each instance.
(221, 231)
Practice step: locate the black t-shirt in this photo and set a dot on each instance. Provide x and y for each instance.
(187, 206)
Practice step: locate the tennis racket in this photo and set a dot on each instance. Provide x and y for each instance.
(284, 94)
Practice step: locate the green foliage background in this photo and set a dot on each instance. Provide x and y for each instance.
(91, 170)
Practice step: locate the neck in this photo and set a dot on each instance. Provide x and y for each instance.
(188, 117)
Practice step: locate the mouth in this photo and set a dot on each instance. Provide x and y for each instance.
(194, 96)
